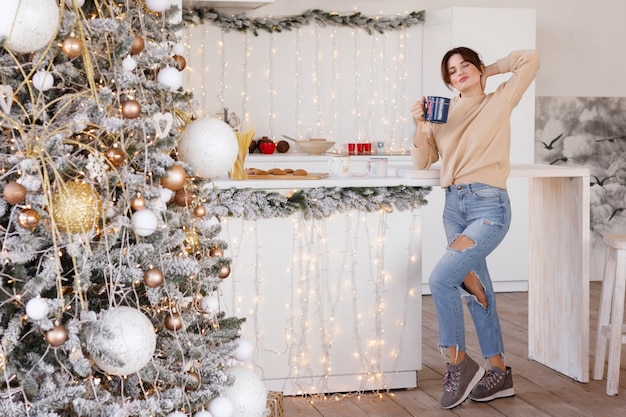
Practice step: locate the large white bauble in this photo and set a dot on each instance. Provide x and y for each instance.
(221, 407)
(43, 80)
(244, 350)
(158, 5)
(129, 63)
(28, 25)
(248, 393)
(170, 77)
(37, 308)
(202, 413)
(132, 340)
(210, 146)
(144, 222)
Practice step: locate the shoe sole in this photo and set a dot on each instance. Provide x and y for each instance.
(509, 392)
(477, 377)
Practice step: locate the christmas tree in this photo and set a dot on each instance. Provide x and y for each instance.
(111, 258)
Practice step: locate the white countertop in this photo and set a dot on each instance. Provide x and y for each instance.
(406, 175)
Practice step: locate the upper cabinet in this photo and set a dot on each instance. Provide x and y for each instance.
(231, 4)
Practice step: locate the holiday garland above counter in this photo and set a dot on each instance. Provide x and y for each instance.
(271, 24)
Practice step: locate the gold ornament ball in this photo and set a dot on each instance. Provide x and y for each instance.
(153, 277)
(57, 336)
(137, 46)
(115, 155)
(131, 109)
(76, 207)
(194, 384)
(199, 211)
(184, 197)
(192, 241)
(215, 251)
(181, 62)
(224, 272)
(28, 218)
(14, 193)
(72, 47)
(173, 321)
(174, 178)
(138, 203)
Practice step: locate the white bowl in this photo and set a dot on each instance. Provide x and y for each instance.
(315, 146)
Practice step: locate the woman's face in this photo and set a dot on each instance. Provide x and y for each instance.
(464, 76)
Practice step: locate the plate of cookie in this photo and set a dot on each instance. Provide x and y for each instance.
(284, 174)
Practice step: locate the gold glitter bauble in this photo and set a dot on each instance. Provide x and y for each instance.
(72, 47)
(138, 203)
(184, 197)
(153, 277)
(174, 178)
(115, 155)
(76, 207)
(181, 62)
(131, 109)
(14, 193)
(224, 272)
(199, 211)
(173, 321)
(216, 251)
(192, 241)
(57, 336)
(28, 218)
(137, 46)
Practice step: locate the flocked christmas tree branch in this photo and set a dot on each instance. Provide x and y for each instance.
(271, 24)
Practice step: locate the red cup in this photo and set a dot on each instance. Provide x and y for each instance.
(267, 147)
(351, 148)
(360, 148)
(367, 148)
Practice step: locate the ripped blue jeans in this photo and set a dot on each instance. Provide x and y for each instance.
(481, 213)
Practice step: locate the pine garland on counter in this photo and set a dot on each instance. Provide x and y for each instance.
(316, 203)
(242, 23)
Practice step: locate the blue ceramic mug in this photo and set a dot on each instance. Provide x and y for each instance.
(436, 109)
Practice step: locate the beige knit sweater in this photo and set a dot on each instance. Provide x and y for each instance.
(474, 144)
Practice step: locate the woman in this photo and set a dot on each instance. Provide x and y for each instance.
(474, 149)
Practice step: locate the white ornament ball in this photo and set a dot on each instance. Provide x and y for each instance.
(210, 304)
(129, 63)
(170, 77)
(248, 393)
(244, 350)
(79, 3)
(144, 222)
(177, 414)
(28, 26)
(210, 146)
(158, 5)
(221, 407)
(202, 413)
(178, 49)
(37, 308)
(43, 80)
(130, 338)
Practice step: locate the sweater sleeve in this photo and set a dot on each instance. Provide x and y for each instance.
(425, 156)
(524, 65)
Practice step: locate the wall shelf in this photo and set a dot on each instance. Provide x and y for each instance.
(231, 4)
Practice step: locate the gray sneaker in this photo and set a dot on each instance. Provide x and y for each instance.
(459, 381)
(495, 384)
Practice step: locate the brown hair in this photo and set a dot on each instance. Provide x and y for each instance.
(468, 55)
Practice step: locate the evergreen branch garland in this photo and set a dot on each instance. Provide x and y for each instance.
(242, 23)
(317, 203)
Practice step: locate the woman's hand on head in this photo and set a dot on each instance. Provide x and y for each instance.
(418, 110)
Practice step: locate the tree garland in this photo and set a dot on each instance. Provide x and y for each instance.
(242, 23)
(316, 203)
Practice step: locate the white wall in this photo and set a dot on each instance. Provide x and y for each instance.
(580, 41)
